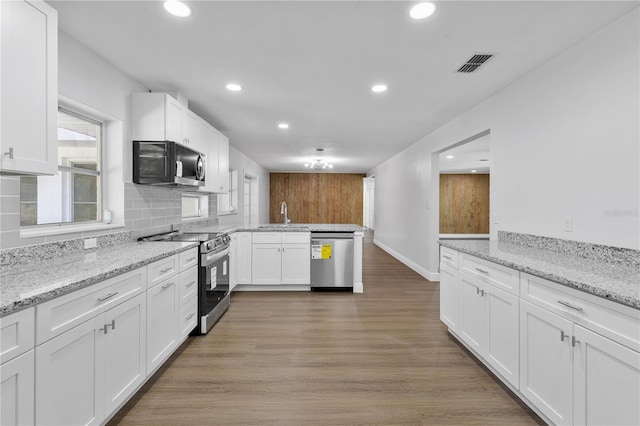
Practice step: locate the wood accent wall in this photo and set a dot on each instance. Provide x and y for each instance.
(464, 204)
(317, 197)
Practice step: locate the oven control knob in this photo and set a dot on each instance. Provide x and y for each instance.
(208, 246)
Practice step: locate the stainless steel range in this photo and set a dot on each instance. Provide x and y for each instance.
(213, 274)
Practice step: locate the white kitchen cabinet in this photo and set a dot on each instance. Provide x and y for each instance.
(162, 322)
(244, 257)
(223, 163)
(449, 296)
(29, 81)
(606, 381)
(87, 372)
(69, 387)
(281, 258)
(233, 261)
(212, 175)
(488, 323)
(17, 387)
(546, 362)
(157, 117)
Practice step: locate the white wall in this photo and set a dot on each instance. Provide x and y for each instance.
(246, 166)
(564, 141)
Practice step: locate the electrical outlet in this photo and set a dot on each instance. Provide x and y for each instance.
(567, 224)
(90, 243)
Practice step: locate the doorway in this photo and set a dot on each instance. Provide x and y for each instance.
(368, 202)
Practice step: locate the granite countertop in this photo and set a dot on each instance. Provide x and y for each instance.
(27, 285)
(619, 283)
(302, 227)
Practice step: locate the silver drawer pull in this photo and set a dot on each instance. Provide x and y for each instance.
(188, 317)
(167, 285)
(574, 341)
(569, 305)
(482, 270)
(447, 257)
(108, 296)
(191, 283)
(191, 259)
(106, 326)
(162, 271)
(563, 336)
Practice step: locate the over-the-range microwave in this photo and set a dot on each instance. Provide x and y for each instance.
(167, 163)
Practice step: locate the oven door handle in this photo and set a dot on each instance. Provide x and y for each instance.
(208, 259)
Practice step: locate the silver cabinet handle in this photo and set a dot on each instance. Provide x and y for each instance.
(570, 306)
(482, 293)
(167, 285)
(162, 271)
(108, 296)
(562, 335)
(447, 257)
(188, 317)
(106, 326)
(482, 270)
(191, 259)
(574, 341)
(9, 154)
(191, 283)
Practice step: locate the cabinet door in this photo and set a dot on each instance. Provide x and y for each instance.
(124, 347)
(243, 263)
(69, 386)
(223, 163)
(192, 134)
(546, 362)
(501, 338)
(17, 390)
(449, 296)
(29, 80)
(606, 381)
(296, 264)
(210, 144)
(162, 323)
(173, 120)
(233, 261)
(266, 263)
(471, 313)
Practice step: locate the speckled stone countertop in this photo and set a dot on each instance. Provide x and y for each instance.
(27, 285)
(302, 227)
(619, 283)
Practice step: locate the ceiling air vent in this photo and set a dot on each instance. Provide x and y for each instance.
(475, 62)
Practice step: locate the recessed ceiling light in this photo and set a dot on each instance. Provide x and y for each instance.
(319, 149)
(449, 157)
(283, 126)
(379, 88)
(422, 10)
(473, 171)
(177, 8)
(234, 87)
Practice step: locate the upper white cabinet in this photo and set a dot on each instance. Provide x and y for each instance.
(29, 86)
(223, 163)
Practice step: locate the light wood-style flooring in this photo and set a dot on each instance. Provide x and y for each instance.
(318, 358)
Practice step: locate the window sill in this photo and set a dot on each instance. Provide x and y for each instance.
(227, 213)
(66, 229)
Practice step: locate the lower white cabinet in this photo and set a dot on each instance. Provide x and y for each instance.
(86, 372)
(488, 323)
(266, 264)
(243, 258)
(281, 258)
(233, 262)
(449, 296)
(17, 390)
(162, 322)
(296, 263)
(576, 376)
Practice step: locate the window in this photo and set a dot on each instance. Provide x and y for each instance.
(228, 203)
(195, 206)
(74, 195)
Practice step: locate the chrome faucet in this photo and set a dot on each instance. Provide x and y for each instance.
(283, 210)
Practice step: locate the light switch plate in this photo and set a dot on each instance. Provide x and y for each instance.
(567, 224)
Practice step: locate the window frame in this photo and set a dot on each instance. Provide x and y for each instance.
(230, 208)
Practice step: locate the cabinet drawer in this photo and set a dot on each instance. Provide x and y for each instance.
(188, 316)
(17, 334)
(449, 257)
(63, 313)
(267, 237)
(188, 258)
(618, 322)
(500, 276)
(188, 284)
(162, 269)
(296, 238)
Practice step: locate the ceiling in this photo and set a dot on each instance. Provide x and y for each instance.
(467, 157)
(312, 64)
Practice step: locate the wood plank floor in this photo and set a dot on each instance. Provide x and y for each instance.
(378, 358)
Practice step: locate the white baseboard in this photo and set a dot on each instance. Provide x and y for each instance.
(431, 276)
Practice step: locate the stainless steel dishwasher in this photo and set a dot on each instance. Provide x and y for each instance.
(332, 260)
